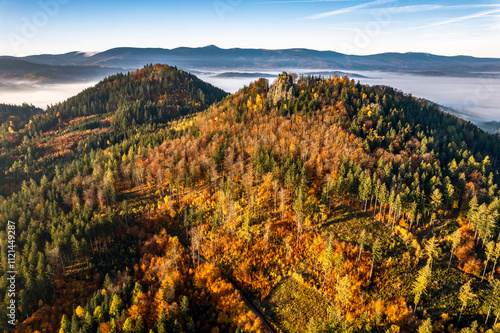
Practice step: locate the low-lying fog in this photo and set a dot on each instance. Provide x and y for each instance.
(473, 98)
(40, 95)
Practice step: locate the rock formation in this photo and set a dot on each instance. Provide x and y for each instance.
(283, 88)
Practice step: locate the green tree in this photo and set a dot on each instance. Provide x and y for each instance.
(65, 326)
(191, 327)
(465, 296)
(112, 326)
(365, 189)
(116, 306)
(420, 284)
(426, 326)
(471, 329)
(139, 325)
(184, 306)
(99, 315)
(493, 298)
(436, 201)
(299, 213)
(362, 240)
(338, 260)
(496, 255)
(456, 238)
(245, 232)
(376, 254)
(473, 207)
(128, 326)
(431, 250)
(344, 291)
(490, 254)
(328, 258)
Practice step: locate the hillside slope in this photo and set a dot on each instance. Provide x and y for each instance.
(108, 113)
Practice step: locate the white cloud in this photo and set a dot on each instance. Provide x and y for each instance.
(415, 9)
(348, 9)
(461, 18)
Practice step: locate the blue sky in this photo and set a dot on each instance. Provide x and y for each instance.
(348, 26)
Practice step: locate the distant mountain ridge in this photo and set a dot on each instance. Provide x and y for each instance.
(212, 57)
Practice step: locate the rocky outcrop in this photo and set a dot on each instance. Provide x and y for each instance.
(283, 88)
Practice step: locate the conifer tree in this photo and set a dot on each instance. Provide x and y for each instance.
(420, 284)
(426, 326)
(376, 255)
(455, 241)
(465, 296)
(493, 298)
(431, 250)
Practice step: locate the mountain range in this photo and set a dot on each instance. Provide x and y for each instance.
(76, 66)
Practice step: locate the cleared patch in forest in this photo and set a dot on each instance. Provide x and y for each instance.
(347, 224)
(291, 305)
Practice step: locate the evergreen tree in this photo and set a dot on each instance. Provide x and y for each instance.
(420, 284)
(431, 250)
(426, 326)
(455, 241)
(465, 296)
(128, 326)
(376, 254)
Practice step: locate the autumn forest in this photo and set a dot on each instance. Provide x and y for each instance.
(156, 202)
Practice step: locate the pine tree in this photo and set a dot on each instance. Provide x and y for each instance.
(344, 291)
(116, 306)
(365, 189)
(112, 326)
(493, 298)
(426, 326)
(436, 201)
(139, 325)
(455, 241)
(362, 242)
(65, 326)
(465, 296)
(431, 250)
(184, 306)
(128, 326)
(376, 254)
(420, 284)
(338, 260)
(473, 207)
(299, 213)
(327, 260)
(496, 255)
(490, 254)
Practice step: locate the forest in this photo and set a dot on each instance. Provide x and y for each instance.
(156, 202)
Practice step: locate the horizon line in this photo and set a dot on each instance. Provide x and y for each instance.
(93, 53)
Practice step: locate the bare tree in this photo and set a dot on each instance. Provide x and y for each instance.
(276, 188)
(196, 238)
(282, 197)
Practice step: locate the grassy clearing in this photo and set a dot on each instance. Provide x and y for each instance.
(291, 305)
(347, 224)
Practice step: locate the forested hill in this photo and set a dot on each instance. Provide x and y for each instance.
(17, 116)
(332, 206)
(155, 93)
(100, 116)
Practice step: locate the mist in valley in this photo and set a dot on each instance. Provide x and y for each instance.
(476, 99)
(40, 94)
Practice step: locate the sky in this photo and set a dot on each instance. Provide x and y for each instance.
(349, 26)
